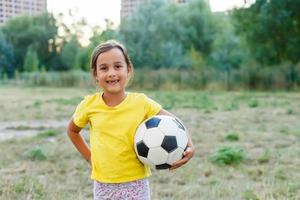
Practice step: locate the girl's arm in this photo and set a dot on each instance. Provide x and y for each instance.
(190, 150)
(78, 141)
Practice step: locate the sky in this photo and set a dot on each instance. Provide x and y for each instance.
(95, 11)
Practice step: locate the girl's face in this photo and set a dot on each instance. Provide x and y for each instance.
(112, 73)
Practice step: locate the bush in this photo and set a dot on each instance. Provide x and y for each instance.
(228, 156)
(232, 136)
(37, 154)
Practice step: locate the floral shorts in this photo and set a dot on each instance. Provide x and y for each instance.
(135, 190)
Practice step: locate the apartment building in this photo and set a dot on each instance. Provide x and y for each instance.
(128, 6)
(12, 8)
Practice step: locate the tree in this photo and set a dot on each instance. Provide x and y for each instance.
(272, 32)
(31, 62)
(271, 29)
(69, 52)
(160, 34)
(6, 57)
(227, 52)
(39, 31)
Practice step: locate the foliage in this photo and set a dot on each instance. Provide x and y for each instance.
(37, 153)
(232, 136)
(6, 57)
(253, 47)
(69, 53)
(271, 29)
(48, 133)
(154, 42)
(35, 31)
(228, 156)
(31, 62)
(227, 51)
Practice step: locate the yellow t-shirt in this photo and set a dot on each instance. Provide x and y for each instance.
(112, 132)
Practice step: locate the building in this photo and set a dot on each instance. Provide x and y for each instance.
(128, 6)
(12, 8)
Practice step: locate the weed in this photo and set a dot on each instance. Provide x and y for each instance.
(253, 103)
(264, 158)
(290, 111)
(232, 136)
(249, 195)
(232, 106)
(48, 133)
(228, 156)
(37, 154)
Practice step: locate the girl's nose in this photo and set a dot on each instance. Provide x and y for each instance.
(111, 72)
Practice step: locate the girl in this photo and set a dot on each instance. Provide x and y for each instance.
(113, 116)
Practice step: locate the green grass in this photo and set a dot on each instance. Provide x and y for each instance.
(232, 136)
(260, 161)
(228, 156)
(37, 154)
(48, 133)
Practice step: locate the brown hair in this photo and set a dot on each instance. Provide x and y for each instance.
(106, 46)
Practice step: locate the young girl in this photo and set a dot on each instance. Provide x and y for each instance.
(113, 116)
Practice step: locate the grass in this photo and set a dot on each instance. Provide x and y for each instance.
(228, 156)
(232, 136)
(47, 166)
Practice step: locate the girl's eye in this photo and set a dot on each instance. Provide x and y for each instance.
(118, 66)
(102, 68)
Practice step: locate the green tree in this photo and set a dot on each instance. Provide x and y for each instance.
(227, 52)
(271, 29)
(31, 62)
(39, 31)
(6, 57)
(82, 60)
(69, 52)
(160, 34)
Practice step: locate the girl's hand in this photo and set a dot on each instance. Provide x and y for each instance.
(187, 155)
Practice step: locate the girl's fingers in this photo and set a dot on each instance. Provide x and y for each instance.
(187, 155)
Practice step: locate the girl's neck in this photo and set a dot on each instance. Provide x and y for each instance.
(113, 99)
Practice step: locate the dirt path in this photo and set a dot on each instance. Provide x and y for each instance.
(18, 129)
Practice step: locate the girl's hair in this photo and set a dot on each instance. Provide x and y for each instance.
(106, 46)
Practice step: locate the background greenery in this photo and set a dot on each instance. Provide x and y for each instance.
(251, 48)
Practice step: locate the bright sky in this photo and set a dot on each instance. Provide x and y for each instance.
(95, 11)
(222, 5)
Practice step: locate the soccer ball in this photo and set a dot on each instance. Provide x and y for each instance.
(160, 141)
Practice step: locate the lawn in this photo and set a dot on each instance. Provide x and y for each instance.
(247, 145)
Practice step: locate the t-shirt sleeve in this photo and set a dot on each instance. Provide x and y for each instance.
(151, 107)
(80, 117)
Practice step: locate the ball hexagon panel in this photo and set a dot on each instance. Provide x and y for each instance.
(169, 143)
(142, 149)
(157, 155)
(167, 126)
(175, 156)
(153, 137)
(182, 138)
(152, 122)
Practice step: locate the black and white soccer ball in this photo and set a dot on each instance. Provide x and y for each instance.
(160, 141)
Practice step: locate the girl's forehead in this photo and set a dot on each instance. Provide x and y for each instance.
(112, 55)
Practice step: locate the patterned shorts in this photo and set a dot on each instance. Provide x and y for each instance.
(135, 190)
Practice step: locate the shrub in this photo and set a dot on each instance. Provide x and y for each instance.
(37, 154)
(232, 136)
(228, 156)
